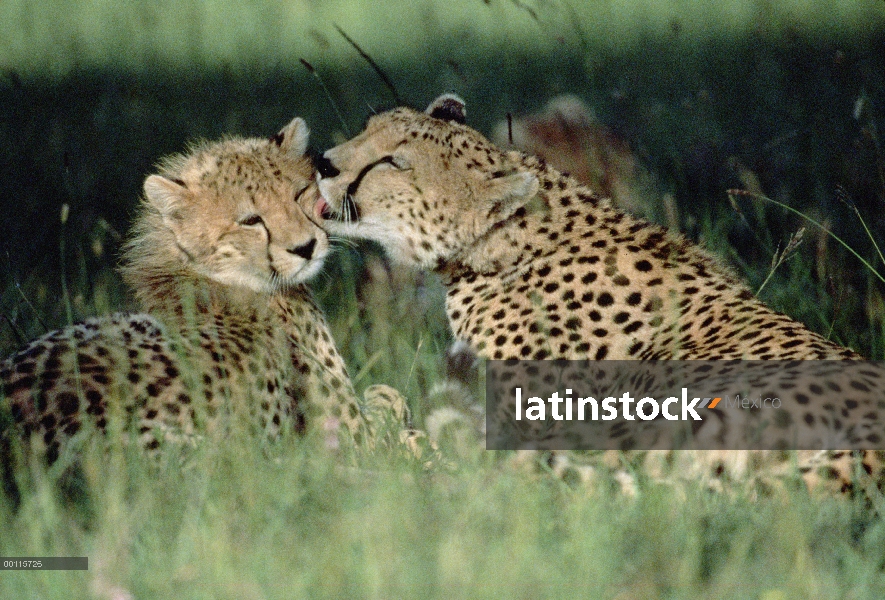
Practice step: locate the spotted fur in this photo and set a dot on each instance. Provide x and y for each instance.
(537, 266)
(221, 247)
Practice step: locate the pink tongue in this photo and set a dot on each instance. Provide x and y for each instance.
(322, 208)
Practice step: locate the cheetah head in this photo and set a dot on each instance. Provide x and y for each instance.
(423, 185)
(235, 212)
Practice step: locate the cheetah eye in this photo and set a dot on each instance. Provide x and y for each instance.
(251, 221)
(397, 162)
(301, 193)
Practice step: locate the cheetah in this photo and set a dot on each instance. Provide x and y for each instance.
(537, 266)
(217, 259)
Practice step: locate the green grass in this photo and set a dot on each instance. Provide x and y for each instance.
(706, 96)
(291, 521)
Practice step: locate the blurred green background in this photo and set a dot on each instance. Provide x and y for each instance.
(57, 36)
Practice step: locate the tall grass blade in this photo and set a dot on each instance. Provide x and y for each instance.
(734, 192)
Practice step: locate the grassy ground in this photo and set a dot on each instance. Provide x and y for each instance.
(787, 108)
(290, 522)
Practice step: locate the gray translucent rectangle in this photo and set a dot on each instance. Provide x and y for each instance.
(44, 563)
(762, 405)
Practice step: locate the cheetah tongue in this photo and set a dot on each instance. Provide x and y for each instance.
(322, 209)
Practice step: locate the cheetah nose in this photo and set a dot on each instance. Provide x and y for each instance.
(305, 251)
(325, 167)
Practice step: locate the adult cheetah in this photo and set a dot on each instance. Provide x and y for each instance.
(537, 266)
(217, 259)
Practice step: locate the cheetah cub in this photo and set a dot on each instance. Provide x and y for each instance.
(218, 256)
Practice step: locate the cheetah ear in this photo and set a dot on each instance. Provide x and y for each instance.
(448, 107)
(166, 196)
(504, 195)
(292, 139)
